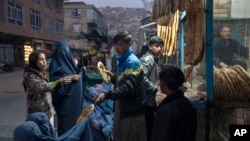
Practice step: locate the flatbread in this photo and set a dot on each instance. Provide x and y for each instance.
(85, 113)
(102, 71)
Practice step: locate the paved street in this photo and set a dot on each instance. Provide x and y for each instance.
(12, 103)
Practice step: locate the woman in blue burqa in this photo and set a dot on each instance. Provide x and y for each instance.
(68, 99)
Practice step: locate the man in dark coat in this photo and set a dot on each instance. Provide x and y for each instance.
(225, 48)
(176, 118)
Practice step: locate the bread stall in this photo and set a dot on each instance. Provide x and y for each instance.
(186, 51)
(186, 26)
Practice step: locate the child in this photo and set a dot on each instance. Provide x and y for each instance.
(176, 118)
(37, 86)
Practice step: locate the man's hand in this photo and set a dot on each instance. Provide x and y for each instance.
(83, 68)
(75, 77)
(223, 65)
(99, 99)
(109, 73)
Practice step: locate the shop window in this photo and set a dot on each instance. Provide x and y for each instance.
(35, 20)
(7, 53)
(76, 12)
(15, 13)
(27, 51)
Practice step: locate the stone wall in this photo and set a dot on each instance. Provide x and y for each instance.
(219, 120)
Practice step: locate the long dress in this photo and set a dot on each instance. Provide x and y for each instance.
(68, 99)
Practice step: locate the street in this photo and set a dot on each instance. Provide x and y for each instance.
(12, 103)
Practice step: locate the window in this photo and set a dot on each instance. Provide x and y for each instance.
(37, 1)
(49, 24)
(50, 3)
(76, 12)
(76, 27)
(59, 5)
(35, 20)
(7, 52)
(90, 14)
(15, 13)
(59, 27)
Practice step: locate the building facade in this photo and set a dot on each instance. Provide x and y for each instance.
(79, 20)
(28, 25)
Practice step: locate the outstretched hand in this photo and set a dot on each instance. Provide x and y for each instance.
(75, 77)
(99, 98)
(65, 80)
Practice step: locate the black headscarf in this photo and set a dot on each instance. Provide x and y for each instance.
(32, 67)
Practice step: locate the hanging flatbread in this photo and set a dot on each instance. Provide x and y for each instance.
(102, 71)
(85, 113)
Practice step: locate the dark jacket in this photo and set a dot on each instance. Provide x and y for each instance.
(128, 90)
(224, 52)
(175, 120)
(150, 70)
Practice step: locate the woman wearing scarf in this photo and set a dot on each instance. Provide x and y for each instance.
(68, 99)
(38, 87)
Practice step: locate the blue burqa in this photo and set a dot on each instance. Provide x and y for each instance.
(38, 128)
(97, 127)
(102, 114)
(68, 99)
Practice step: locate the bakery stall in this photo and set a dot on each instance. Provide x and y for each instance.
(218, 94)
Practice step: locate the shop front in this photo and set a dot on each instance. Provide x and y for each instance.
(217, 73)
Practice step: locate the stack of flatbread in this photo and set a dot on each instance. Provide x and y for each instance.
(102, 71)
(231, 84)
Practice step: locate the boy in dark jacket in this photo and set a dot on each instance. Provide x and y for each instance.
(176, 118)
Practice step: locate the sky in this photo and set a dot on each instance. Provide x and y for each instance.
(114, 3)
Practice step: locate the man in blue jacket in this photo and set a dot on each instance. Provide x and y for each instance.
(129, 124)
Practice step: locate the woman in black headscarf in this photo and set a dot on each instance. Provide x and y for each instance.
(68, 99)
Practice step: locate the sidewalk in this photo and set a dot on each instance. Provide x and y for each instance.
(12, 103)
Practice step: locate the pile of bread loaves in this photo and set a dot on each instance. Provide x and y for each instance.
(231, 84)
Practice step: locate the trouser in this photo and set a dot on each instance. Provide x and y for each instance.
(149, 117)
(130, 129)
